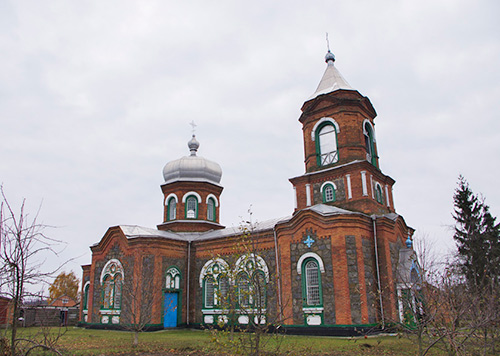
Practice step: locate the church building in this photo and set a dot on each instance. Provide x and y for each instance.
(332, 263)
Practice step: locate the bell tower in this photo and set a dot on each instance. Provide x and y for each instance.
(340, 150)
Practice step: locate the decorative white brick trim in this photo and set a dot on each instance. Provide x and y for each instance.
(320, 121)
(349, 189)
(363, 183)
(295, 197)
(308, 195)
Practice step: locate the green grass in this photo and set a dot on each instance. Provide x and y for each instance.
(78, 341)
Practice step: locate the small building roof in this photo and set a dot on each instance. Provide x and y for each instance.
(135, 231)
(324, 209)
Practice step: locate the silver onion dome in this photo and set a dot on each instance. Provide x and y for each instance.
(192, 167)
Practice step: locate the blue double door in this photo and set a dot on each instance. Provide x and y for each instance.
(170, 310)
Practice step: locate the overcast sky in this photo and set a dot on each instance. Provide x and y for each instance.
(97, 96)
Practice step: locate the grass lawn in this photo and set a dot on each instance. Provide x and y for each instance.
(78, 341)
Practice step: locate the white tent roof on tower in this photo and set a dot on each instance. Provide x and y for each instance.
(332, 79)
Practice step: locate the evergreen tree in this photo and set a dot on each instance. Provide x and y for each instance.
(477, 236)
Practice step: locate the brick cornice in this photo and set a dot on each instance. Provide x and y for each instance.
(348, 99)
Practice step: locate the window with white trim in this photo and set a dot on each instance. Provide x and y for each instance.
(215, 282)
(211, 209)
(328, 193)
(311, 283)
(209, 292)
(112, 292)
(244, 290)
(172, 209)
(252, 279)
(173, 278)
(191, 207)
(112, 285)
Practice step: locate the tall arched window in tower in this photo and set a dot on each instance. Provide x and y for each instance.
(191, 207)
(326, 144)
(370, 147)
(172, 209)
(211, 209)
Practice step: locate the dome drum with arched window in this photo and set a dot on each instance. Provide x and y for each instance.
(191, 193)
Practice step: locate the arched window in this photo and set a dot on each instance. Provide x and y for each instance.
(252, 278)
(112, 292)
(214, 281)
(173, 278)
(209, 289)
(86, 296)
(211, 209)
(379, 197)
(223, 288)
(370, 147)
(112, 279)
(259, 289)
(243, 283)
(108, 292)
(311, 283)
(191, 207)
(117, 297)
(328, 193)
(326, 144)
(172, 209)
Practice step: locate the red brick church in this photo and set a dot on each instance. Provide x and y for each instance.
(333, 262)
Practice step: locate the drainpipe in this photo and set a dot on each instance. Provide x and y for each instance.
(278, 272)
(374, 218)
(188, 281)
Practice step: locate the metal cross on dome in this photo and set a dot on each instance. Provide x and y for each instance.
(309, 241)
(193, 125)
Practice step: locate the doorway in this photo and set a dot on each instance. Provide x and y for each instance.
(170, 310)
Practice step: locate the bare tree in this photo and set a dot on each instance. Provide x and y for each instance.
(137, 300)
(243, 294)
(440, 311)
(22, 247)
